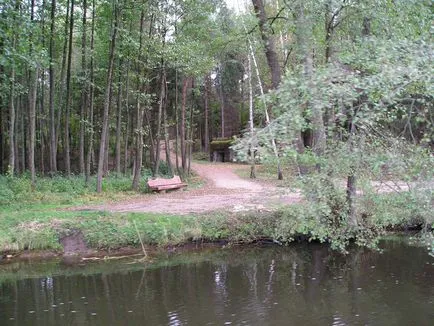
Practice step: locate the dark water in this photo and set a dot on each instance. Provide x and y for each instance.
(299, 285)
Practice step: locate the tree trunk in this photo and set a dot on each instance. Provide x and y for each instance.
(127, 113)
(138, 158)
(185, 84)
(177, 124)
(159, 119)
(317, 138)
(107, 97)
(84, 88)
(329, 23)
(118, 123)
(206, 118)
(22, 136)
(91, 99)
(351, 178)
(53, 147)
(267, 39)
(251, 127)
(41, 131)
(12, 111)
(67, 149)
(166, 139)
(33, 84)
(11, 168)
(222, 107)
(267, 116)
(190, 142)
(61, 90)
(32, 125)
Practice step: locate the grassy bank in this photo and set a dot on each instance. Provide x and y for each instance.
(43, 227)
(40, 218)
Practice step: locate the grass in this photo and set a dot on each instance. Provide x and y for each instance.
(33, 229)
(38, 219)
(60, 190)
(32, 219)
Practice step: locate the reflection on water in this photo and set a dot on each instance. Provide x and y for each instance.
(302, 284)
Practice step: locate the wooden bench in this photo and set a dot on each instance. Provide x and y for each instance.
(160, 184)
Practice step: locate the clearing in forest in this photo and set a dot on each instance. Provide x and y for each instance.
(223, 190)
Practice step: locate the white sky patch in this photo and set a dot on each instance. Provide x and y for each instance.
(237, 5)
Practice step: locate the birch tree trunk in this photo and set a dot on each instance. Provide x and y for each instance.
(251, 147)
(267, 116)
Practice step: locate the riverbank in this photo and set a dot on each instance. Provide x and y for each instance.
(48, 233)
(64, 216)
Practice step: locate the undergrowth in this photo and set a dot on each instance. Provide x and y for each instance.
(62, 190)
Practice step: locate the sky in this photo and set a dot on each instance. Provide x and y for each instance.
(235, 4)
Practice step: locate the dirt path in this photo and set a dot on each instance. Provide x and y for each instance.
(223, 190)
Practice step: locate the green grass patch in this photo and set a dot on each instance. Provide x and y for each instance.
(18, 191)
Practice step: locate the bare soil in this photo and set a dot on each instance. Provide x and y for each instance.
(223, 190)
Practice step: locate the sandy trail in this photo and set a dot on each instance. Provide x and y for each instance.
(223, 190)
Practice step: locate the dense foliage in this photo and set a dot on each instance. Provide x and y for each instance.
(341, 90)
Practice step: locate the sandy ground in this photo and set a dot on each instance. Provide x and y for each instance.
(223, 190)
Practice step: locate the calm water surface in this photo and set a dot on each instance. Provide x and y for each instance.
(299, 285)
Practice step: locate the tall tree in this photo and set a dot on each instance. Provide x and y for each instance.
(251, 124)
(53, 152)
(315, 136)
(268, 42)
(107, 95)
(207, 89)
(118, 121)
(33, 85)
(90, 106)
(161, 105)
(68, 105)
(185, 85)
(138, 155)
(84, 88)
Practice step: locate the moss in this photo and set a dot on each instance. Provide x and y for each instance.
(220, 144)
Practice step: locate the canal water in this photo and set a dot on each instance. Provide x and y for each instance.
(304, 284)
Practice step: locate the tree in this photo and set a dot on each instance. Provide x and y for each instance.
(107, 95)
(268, 42)
(51, 71)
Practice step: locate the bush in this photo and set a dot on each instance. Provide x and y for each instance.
(201, 156)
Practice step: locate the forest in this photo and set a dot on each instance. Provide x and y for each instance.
(320, 90)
